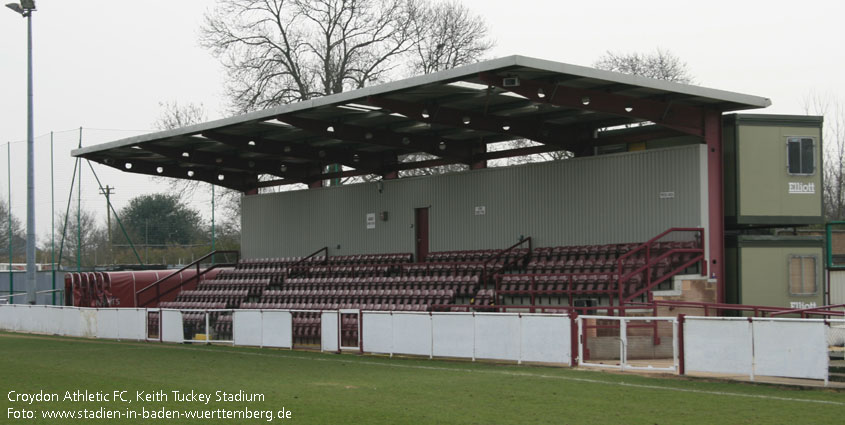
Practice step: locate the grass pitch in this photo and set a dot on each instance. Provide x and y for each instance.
(321, 388)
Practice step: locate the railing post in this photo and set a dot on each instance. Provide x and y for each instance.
(573, 338)
(681, 363)
(533, 289)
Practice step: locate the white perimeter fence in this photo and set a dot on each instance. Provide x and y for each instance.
(794, 348)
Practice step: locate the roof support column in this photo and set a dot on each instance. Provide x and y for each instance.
(478, 160)
(716, 212)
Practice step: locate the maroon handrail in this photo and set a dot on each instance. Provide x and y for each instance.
(157, 284)
(756, 309)
(296, 265)
(624, 278)
(502, 252)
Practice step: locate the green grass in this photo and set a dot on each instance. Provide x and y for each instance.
(332, 389)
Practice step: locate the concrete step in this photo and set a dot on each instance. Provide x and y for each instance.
(836, 377)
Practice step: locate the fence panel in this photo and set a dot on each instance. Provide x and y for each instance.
(411, 334)
(131, 323)
(546, 339)
(454, 335)
(277, 329)
(329, 331)
(54, 321)
(72, 321)
(378, 332)
(247, 327)
(790, 349)
(22, 318)
(171, 326)
(38, 320)
(107, 324)
(88, 322)
(497, 336)
(7, 316)
(717, 345)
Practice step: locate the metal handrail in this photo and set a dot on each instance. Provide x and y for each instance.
(157, 284)
(624, 278)
(306, 259)
(757, 309)
(501, 253)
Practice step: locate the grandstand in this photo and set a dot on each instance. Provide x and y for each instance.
(658, 209)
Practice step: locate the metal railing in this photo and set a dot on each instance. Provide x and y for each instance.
(650, 262)
(156, 286)
(303, 264)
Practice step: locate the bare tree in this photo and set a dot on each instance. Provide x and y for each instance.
(174, 115)
(660, 65)
(447, 34)
(834, 150)
(94, 248)
(282, 51)
(18, 235)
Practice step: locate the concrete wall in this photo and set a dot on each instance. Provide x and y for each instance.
(593, 200)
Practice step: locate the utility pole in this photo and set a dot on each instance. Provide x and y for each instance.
(108, 190)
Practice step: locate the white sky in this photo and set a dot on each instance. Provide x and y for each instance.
(106, 65)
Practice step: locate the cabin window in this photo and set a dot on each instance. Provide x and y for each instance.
(800, 156)
(802, 275)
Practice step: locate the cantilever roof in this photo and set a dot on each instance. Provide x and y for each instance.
(453, 115)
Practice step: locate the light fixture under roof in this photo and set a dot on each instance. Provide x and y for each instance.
(406, 141)
(221, 177)
(190, 173)
(219, 160)
(283, 168)
(251, 143)
(288, 149)
(629, 108)
(330, 129)
(128, 165)
(541, 93)
(356, 158)
(425, 114)
(466, 120)
(368, 135)
(186, 154)
(159, 170)
(442, 146)
(585, 100)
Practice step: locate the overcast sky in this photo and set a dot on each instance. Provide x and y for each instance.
(106, 65)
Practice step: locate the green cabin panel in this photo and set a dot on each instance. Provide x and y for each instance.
(760, 188)
(759, 271)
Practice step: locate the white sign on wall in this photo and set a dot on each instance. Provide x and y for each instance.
(802, 188)
(371, 220)
(667, 195)
(481, 210)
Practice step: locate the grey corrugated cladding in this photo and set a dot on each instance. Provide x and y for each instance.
(593, 200)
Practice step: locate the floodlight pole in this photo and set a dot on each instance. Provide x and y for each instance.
(25, 9)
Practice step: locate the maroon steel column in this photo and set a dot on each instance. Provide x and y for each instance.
(713, 139)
